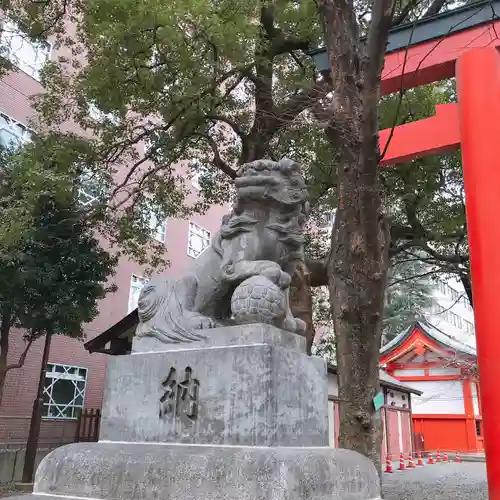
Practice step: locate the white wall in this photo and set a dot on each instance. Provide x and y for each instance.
(333, 385)
(475, 401)
(409, 373)
(331, 424)
(444, 371)
(439, 397)
(400, 399)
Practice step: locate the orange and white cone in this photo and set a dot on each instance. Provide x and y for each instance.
(388, 464)
(458, 460)
(402, 465)
(411, 463)
(420, 462)
(430, 460)
(438, 458)
(445, 458)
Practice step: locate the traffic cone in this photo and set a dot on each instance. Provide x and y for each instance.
(438, 458)
(420, 461)
(402, 465)
(411, 463)
(430, 460)
(388, 464)
(445, 458)
(458, 460)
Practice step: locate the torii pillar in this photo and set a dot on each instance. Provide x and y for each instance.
(478, 82)
(474, 125)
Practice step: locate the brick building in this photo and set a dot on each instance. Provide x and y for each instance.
(75, 378)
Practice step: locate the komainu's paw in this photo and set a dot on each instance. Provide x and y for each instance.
(200, 322)
(284, 280)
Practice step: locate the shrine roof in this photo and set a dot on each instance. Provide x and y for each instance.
(386, 381)
(433, 333)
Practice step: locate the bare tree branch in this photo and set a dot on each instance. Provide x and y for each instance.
(217, 160)
(434, 8)
(234, 125)
(22, 358)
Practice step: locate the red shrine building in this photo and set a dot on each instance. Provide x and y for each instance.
(447, 416)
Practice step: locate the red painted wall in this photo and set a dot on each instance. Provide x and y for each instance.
(442, 433)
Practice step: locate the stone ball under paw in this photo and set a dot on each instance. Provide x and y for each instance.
(258, 300)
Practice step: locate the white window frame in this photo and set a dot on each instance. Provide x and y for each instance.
(85, 180)
(197, 230)
(132, 301)
(195, 176)
(9, 31)
(99, 116)
(13, 127)
(158, 231)
(52, 374)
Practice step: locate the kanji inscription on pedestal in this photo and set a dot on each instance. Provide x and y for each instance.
(180, 398)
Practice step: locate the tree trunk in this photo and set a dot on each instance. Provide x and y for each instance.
(466, 282)
(4, 352)
(301, 301)
(357, 264)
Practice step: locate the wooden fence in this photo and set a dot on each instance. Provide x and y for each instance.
(87, 429)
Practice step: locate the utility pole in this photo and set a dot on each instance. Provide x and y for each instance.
(36, 418)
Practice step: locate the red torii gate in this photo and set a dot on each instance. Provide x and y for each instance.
(463, 43)
(474, 125)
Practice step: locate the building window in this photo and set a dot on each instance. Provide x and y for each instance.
(12, 133)
(469, 327)
(158, 230)
(64, 391)
(199, 172)
(136, 285)
(27, 55)
(198, 240)
(100, 116)
(88, 192)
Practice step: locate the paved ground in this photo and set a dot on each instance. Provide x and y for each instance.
(465, 481)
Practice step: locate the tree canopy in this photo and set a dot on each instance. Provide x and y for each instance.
(53, 278)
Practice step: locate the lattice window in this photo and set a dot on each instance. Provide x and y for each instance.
(12, 133)
(27, 55)
(64, 391)
(90, 190)
(136, 285)
(198, 240)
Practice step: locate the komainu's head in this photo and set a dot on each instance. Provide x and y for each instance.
(275, 190)
(277, 183)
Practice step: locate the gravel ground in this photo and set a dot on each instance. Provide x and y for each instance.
(465, 481)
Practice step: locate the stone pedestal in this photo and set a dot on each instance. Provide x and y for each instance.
(241, 415)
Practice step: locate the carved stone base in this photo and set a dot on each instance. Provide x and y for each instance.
(132, 471)
(265, 393)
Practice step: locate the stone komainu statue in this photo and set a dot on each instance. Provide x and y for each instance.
(244, 275)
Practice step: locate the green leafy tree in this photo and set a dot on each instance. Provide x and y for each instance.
(53, 278)
(207, 86)
(325, 348)
(425, 198)
(407, 296)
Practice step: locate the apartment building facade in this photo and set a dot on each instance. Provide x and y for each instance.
(75, 378)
